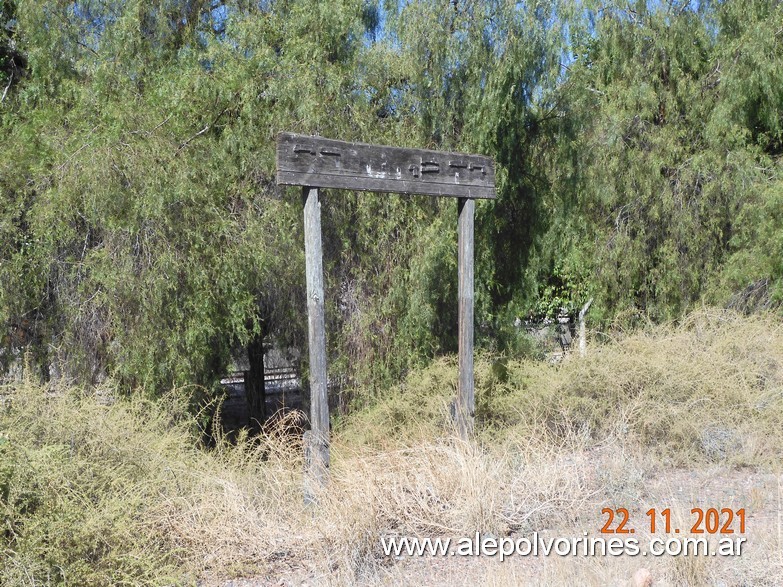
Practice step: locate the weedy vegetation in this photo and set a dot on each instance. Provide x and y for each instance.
(97, 493)
(145, 246)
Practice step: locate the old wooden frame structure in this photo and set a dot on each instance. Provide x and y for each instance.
(315, 162)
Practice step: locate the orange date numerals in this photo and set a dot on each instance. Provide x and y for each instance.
(667, 519)
(713, 522)
(709, 521)
(622, 513)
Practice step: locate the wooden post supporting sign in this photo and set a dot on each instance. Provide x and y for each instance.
(315, 162)
(466, 403)
(317, 440)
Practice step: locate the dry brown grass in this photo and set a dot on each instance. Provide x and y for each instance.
(674, 417)
(709, 389)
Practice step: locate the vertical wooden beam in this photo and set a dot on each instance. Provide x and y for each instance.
(317, 441)
(466, 403)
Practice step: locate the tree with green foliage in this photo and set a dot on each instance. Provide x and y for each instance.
(673, 132)
(143, 236)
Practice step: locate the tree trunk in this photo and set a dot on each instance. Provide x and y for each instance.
(254, 383)
(583, 329)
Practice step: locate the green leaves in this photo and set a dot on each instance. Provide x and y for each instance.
(142, 234)
(666, 159)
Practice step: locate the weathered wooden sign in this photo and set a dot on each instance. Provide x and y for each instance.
(315, 161)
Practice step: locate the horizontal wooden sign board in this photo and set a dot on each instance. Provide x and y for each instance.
(318, 162)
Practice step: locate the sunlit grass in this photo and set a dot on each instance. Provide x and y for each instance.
(97, 494)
